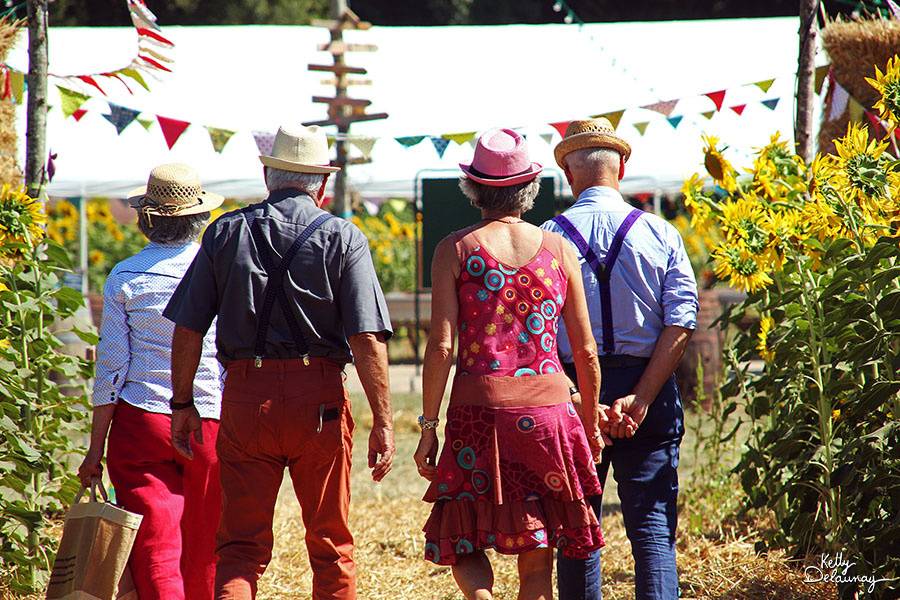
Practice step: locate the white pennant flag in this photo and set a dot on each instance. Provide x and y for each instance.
(839, 99)
(363, 144)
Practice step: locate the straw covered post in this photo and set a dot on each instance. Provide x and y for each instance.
(9, 171)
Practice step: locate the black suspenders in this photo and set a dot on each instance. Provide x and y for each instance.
(275, 289)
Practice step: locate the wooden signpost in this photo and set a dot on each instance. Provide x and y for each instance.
(343, 110)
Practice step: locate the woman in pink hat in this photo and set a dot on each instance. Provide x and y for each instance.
(518, 459)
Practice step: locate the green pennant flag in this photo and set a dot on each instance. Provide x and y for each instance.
(17, 85)
(821, 72)
(134, 74)
(856, 110)
(410, 140)
(641, 127)
(547, 137)
(709, 114)
(145, 123)
(71, 100)
(614, 117)
(765, 84)
(219, 137)
(459, 138)
(331, 140)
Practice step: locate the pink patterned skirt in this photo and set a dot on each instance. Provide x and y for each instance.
(514, 472)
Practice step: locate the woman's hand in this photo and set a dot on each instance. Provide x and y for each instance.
(91, 467)
(426, 454)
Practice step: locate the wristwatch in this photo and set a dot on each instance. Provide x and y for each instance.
(573, 390)
(427, 423)
(180, 405)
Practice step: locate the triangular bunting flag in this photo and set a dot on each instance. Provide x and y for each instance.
(171, 129)
(765, 84)
(641, 127)
(709, 114)
(330, 139)
(674, 121)
(145, 123)
(90, 81)
(895, 9)
(771, 103)
(821, 72)
(121, 117)
(877, 127)
(264, 142)
(78, 114)
(614, 117)
(219, 137)
(134, 74)
(856, 110)
(547, 137)
(739, 108)
(717, 97)
(440, 145)
(561, 127)
(364, 145)
(71, 100)
(410, 140)
(664, 108)
(17, 85)
(459, 138)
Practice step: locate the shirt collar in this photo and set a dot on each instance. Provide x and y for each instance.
(158, 246)
(600, 194)
(284, 194)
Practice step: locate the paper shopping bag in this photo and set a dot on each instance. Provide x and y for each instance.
(93, 553)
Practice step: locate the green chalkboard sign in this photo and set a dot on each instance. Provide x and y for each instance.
(445, 209)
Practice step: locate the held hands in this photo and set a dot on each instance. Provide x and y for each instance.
(426, 454)
(186, 421)
(625, 415)
(91, 468)
(381, 450)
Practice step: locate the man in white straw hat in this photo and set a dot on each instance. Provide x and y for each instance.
(174, 552)
(294, 290)
(642, 299)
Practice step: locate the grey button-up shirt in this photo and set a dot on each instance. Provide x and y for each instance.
(331, 282)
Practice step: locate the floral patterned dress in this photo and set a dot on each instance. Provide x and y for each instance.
(515, 469)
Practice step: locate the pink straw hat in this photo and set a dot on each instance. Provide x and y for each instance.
(501, 159)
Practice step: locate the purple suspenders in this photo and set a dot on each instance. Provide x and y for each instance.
(602, 269)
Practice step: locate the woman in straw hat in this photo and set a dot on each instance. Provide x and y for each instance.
(518, 459)
(173, 556)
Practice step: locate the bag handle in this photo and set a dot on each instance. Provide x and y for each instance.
(96, 482)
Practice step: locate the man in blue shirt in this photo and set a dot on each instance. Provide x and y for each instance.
(642, 298)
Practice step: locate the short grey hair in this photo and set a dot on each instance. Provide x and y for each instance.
(172, 230)
(594, 159)
(506, 199)
(279, 179)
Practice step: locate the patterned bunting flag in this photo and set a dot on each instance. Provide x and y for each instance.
(771, 103)
(264, 141)
(78, 114)
(739, 108)
(145, 123)
(71, 100)
(717, 97)
(363, 144)
(675, 121)
(440, 145)
(561, 127)
(641, 127)
(614, 117)
(459, 138)
(410, 140)
(664, 108)
(121, 116)
(171, 129)
(821, 72)
(839, 99)
(709, 114)
(219, 137)
(547, 137)
(765, 84)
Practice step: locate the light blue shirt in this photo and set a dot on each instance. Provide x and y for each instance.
(652, 284)
(135, 350)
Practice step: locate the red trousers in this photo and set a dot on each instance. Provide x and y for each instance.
(285, 415)
(174, 552)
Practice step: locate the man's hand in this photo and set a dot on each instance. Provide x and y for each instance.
(625, 415)
(426, 454)
(185, 422)
(91, 467)
(381, 451)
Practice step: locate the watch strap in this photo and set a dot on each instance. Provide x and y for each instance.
(180, 405)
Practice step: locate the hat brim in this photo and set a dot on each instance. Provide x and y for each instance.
(532, 172)
(590, 139)
(287, 165)
(206, 201)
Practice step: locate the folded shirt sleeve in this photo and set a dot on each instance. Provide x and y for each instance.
(679, 296)
(362, 303)
(113, 349)
(195, 302)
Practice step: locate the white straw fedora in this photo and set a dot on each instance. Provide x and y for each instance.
(301, 150)
(173, 190)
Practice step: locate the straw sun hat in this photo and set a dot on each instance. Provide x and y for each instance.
(301, 150)
(173, 190)
(590, 133)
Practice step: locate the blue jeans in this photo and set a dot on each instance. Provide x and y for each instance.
(645, 469)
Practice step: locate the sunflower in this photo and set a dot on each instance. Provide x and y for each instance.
(743, 221)
(21, 217)
(696, 202)
(820, 173)
(786, 227)
(888, 85)
(717, 165)
(774, 163)
(96, 257)
(823, 221)
(4, 344)
(861, 167)
(762, 339)
(743, 270)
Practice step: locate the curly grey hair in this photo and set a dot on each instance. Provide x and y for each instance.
(279, 179)
(172, 230)
(507, 199)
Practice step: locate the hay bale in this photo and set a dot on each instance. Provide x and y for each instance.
(9, 171)
(856, 48)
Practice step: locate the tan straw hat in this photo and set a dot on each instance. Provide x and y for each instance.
(590, 133)
(173, 190)
(301, 150)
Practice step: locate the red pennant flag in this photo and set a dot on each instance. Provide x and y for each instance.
(717, 97)
(154, 35)
(90, 81)
(171, 129)
(78, 114)
(877, 128)
(739, 109)
(561, 127)
(154, 63)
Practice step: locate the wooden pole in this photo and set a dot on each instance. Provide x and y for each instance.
(806, 66)
(341, 197)
(36, 119)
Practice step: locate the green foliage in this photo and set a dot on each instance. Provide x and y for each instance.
(391, 236)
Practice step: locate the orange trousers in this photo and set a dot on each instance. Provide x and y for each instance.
(285, 414)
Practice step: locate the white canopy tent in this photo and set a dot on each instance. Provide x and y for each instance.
(432, 81)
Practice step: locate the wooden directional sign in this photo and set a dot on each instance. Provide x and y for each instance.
(349, 20)
(338, 69)
(346, 82)
(342, 100)
(342, 122)
(339, 47)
